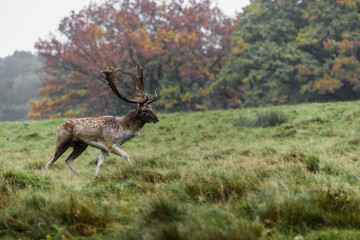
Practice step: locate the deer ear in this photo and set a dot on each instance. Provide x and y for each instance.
(137, 107)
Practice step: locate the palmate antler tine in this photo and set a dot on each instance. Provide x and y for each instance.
(140, 83)
(141, 86)
(110, 76)
(135, 77)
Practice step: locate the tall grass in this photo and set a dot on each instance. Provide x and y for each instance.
(267, 118)
(281, 173)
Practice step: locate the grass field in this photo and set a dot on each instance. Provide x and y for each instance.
(289, 172)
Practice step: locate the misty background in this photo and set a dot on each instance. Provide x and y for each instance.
(20, 79)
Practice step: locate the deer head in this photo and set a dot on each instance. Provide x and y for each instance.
(142, 108)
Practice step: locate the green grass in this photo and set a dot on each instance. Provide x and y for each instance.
(259, 173)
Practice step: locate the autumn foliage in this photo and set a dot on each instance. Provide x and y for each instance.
(181, 46)
(287, 52)
(196, 58)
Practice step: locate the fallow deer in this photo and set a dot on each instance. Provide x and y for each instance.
(106, 133)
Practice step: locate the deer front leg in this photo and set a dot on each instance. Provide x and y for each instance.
(116, 150)
(102, 156)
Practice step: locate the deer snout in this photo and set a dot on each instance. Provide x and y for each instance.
(156, 119)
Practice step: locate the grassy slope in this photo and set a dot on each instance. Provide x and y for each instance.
(195, 176)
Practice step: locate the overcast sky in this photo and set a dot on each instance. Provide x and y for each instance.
(23, 22)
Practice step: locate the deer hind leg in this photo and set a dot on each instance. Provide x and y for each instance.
(116, 150)
(102, 156)
(78, 149)
(59, 150)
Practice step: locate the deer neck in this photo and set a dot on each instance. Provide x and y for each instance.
(132, 122)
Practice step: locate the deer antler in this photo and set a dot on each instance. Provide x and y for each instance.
(152, 99)
(140, 84)
(110, 75)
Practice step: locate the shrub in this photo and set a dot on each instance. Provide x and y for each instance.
(37, 216)
(18, 180)
(330, 234)
(311, 162)
(238, 230)
(286, 130)
(265, 119)
(39, 165)
(331, 168)
(270, 119)
(146, 174)
(354, 141)
(163, 210)
(218, 187)
(316, 209)
(4, 194)
(160, 220)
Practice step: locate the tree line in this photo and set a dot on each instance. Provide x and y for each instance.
(286, 52)
(20, 79)
(197, 58)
